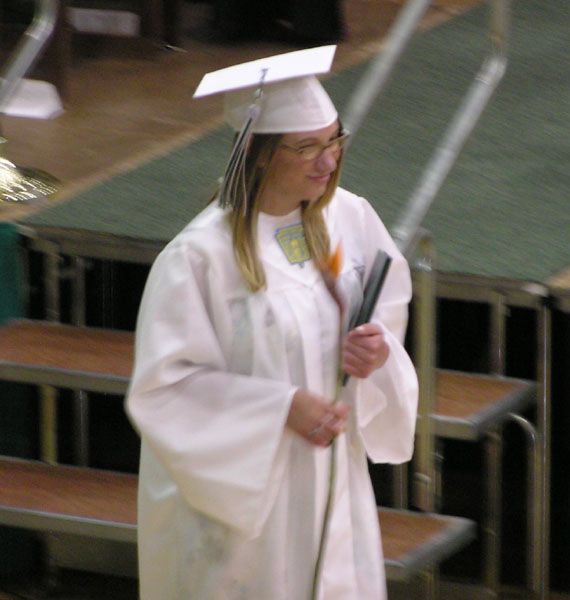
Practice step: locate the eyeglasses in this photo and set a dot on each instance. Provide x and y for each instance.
(314, 151)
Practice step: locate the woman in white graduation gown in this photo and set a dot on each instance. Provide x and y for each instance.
(237, 355)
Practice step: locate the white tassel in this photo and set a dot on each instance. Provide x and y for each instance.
(233, 190)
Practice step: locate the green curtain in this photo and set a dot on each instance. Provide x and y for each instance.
(19, 549)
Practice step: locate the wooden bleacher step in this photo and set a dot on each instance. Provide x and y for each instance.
(64, 499)
(57, 498)
(468, 405)
(102, 504)
(86, 358)
(413, 542)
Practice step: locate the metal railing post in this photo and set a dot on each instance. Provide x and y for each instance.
(425, 477)
(541, 574)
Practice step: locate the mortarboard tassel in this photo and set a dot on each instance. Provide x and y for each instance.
(233, 189)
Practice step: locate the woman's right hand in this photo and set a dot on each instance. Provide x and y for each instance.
(315, 419)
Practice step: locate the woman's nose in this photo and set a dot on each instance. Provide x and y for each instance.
(327, 161)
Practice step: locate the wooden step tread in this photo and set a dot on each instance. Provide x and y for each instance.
(103, 504)
(87, 358)
(413, 541)
(468, 404)
(68, 499)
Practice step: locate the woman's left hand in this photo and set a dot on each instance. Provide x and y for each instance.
(365, 349)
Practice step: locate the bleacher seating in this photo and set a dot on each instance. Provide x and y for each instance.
(102, 504)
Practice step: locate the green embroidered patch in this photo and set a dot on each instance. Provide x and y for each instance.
(293, 243)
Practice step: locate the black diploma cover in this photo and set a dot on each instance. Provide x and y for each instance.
(372, 290)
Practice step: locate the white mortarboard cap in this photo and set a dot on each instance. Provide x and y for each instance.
(292, 98)
(279, 94)
(299, 104)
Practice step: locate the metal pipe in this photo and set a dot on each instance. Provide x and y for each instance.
(498, 342)
(540, 465)
(447, 152)
(28, 48)
(375, 78)
(51, 282)
(461, 126)
(425, 476)
(81, 398)
(48, 424)
(400, 478)
(533, 515)
(431, 582)
(465, 119)
(494, 444)
(48, 394)
(492, 524)
(544, 427)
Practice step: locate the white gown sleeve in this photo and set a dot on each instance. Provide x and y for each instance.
(219, 435)
(386, 402)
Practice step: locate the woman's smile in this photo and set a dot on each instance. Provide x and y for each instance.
(320, 179)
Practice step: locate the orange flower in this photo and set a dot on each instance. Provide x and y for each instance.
(331, 271)
(334, 262)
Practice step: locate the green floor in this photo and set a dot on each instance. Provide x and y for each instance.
(502, 211)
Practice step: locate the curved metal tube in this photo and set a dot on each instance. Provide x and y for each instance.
(447, 152)
(461, 126)
(373, 82)
(463, 122)
(534, 512)
(28, 48)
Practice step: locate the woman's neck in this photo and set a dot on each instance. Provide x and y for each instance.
(278, 207)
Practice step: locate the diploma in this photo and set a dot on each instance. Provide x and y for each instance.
(372, 290)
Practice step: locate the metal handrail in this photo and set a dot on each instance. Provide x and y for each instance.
(29, 47)
(426, 490)
(379, 70)
(463, 122)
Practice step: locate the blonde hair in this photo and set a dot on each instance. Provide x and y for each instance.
(243, 220)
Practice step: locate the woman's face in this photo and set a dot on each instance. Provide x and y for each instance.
(292, 177)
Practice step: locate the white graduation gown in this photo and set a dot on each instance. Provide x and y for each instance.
(230, 500)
